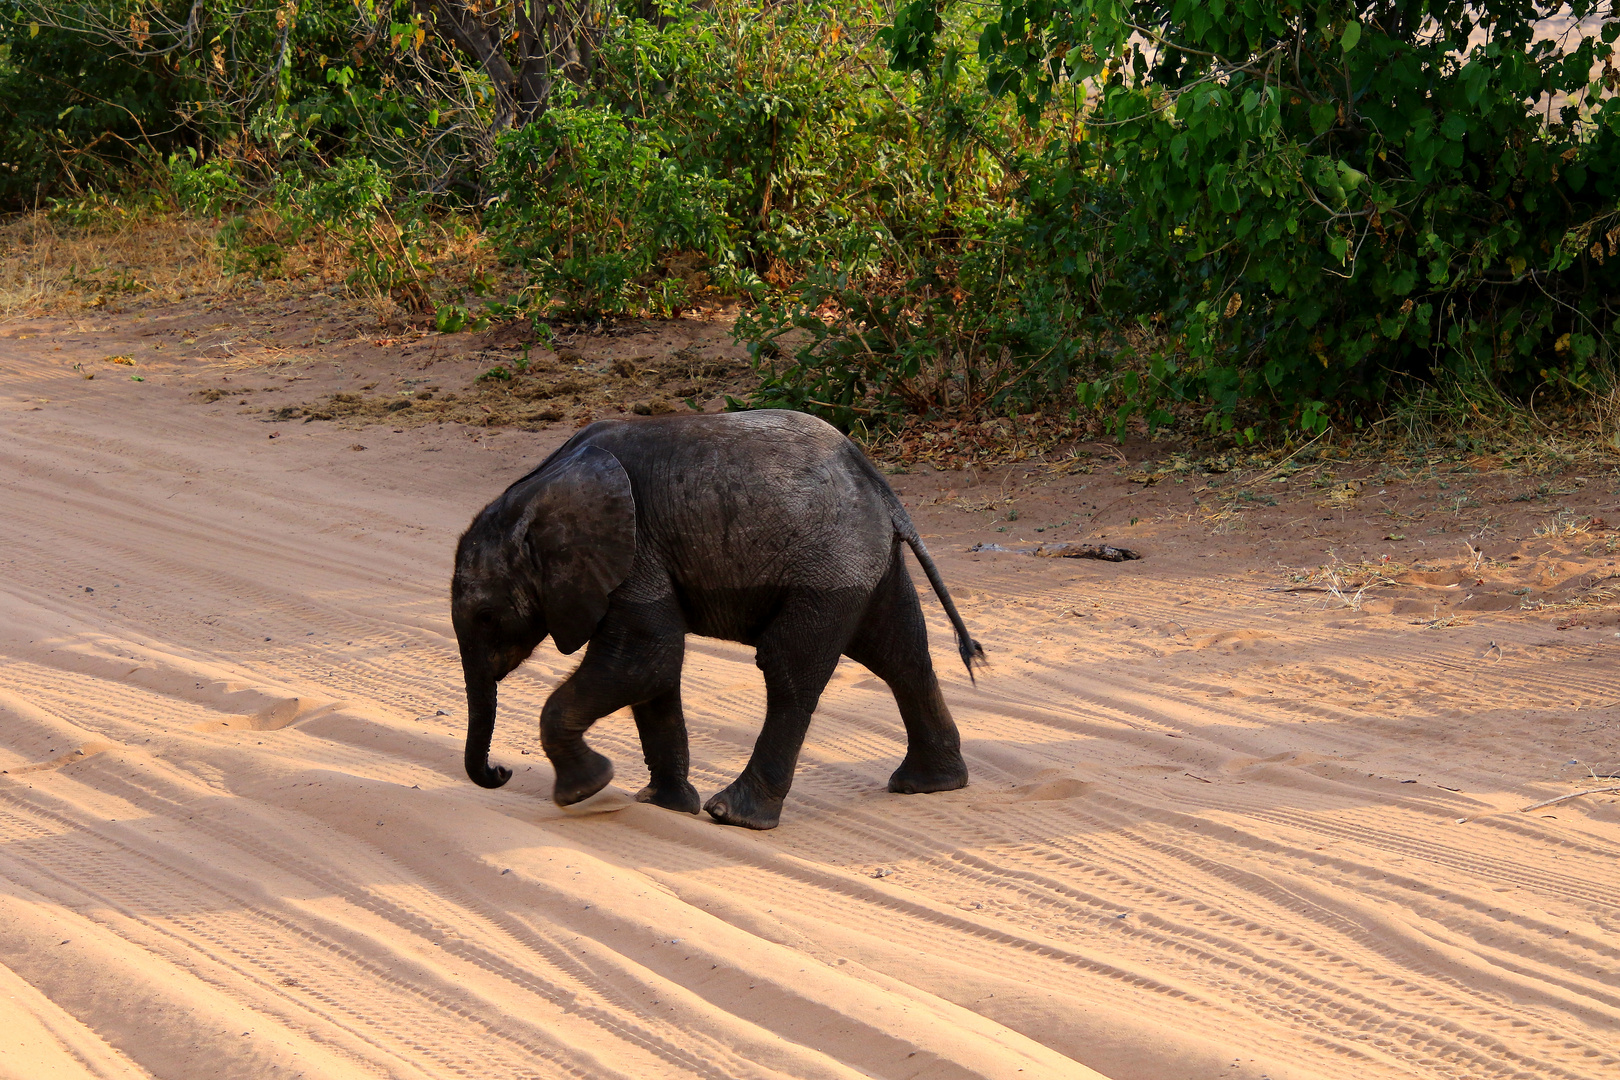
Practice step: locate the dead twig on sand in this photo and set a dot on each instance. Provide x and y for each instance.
(1566, 798)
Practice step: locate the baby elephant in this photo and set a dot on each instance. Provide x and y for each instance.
(769, 528)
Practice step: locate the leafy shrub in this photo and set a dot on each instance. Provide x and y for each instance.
(940, 304)
(819, 148)
(963, 339)
(204, 186)
(760, 141)
(353, 204)
(72, 118)
(90, 89)
(1264, 211)
(594, 208)
(1329, 199)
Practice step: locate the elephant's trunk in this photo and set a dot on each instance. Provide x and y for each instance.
(480, 728)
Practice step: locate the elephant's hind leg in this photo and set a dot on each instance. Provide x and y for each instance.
(892, 643)
(797, 654)
(662, 726)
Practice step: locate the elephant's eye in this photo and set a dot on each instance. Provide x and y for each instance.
(485, 618)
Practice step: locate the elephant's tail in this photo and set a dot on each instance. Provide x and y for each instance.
(971, 650)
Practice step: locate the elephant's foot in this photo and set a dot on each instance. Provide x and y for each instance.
(671, 794)
(581, 778)
(914, 779)
(740, 804)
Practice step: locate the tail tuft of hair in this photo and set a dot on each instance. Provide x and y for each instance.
(972, 653)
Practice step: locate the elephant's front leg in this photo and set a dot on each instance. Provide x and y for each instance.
(662, 727)
(797, 654)
(628, 662)
(570, 711)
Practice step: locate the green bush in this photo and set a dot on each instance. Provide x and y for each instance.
(353, 205)
(204, 186)
(72, 118)
(985, 334)
(1319, 203)
(92, 92)
(595, 208)
(759, 142)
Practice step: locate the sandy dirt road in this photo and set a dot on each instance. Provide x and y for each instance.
(1215, 828)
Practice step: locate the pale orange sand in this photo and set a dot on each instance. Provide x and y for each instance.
(236, 840)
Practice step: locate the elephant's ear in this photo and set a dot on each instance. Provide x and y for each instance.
(580, 523)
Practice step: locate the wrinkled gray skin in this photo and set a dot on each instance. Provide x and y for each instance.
(768, 528)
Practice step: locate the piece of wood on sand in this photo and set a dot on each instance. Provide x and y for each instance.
(1565, 798)
(1104, 552)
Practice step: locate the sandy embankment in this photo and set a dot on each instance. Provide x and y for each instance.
(1214, 829)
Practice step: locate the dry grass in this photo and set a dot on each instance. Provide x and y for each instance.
(1605, 593)
(49, 267)
(113, 256)
(1602, 593)
(1224, 519)
(1346, 583)
(1608, 545)
(1564, 525)
(1050, 441)
(1606, 412)
(1440, 622)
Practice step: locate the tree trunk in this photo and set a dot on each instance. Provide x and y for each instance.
(553, 40)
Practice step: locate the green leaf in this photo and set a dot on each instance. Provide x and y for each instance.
(1351, 35)
(991, 41)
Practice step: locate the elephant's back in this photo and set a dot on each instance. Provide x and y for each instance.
(683, 435)
(768, 449)
(738, 499)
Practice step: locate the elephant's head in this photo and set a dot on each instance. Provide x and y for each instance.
(539, 560)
